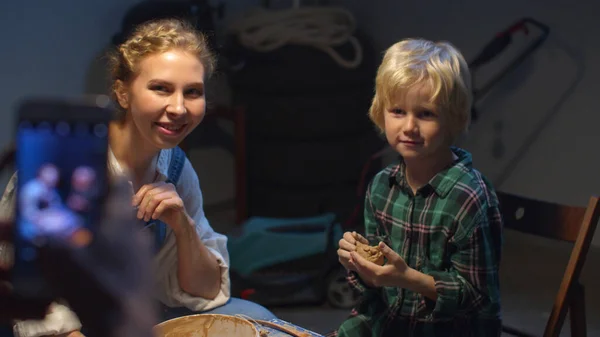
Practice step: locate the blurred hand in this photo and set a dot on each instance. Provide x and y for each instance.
(107, 280)
(11, 307)
(113, 272)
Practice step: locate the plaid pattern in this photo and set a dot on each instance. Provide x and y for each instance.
(452, 230)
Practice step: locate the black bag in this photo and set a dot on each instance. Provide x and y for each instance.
(196, 12)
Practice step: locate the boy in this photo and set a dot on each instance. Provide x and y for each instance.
(438, 216)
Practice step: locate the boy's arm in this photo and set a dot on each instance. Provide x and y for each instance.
(471, 283)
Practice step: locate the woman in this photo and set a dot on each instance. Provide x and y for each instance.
(159, 76)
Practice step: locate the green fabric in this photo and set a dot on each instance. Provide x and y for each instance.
(258, 247)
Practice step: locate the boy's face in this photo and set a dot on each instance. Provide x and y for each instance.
(414, 126)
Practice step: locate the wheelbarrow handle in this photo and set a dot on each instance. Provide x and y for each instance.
(503, 39)
(492, 49)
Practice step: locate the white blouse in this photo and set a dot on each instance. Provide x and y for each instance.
(168, 291)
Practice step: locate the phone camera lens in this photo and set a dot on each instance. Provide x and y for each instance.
(102, 101)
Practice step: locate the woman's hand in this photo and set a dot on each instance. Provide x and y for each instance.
(161, 201)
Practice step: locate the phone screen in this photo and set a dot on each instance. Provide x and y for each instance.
(62, 182)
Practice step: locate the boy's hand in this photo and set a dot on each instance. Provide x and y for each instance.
(395, 273)
(348, 244)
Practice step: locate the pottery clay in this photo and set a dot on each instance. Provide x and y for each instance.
(371, 253)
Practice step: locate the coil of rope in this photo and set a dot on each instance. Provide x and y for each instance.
(323, 28)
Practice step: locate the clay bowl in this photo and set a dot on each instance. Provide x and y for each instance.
(206, 325)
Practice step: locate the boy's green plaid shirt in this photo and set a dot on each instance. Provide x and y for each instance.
(452, 230)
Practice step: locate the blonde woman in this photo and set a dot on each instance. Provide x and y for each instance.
(159, 76)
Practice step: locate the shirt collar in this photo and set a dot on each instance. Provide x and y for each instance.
(443, 182)
(162, 165)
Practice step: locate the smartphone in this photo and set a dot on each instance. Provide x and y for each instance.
(61, 162)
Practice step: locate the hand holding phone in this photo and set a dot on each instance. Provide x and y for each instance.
(113, 273)
(12, 307)
(99, 273)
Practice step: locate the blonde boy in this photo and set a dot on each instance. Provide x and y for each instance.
(435, 217)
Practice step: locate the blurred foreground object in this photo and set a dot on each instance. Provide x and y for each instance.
(107, 280)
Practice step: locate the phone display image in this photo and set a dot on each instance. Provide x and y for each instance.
(42, 209)
(59, 183)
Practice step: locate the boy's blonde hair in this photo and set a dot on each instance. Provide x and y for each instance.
(416, 61)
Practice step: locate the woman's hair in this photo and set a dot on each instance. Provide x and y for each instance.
(155, 37)
(440, 65)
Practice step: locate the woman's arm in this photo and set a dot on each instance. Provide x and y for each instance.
(199, 272)
(193, 265)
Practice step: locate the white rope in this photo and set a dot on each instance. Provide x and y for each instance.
(323, 28)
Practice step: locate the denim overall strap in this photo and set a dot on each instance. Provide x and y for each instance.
(175, 168)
